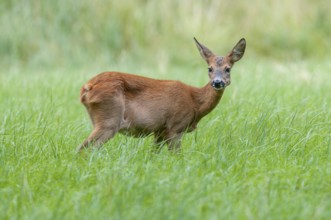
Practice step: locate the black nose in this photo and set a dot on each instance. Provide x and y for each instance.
(218, 84)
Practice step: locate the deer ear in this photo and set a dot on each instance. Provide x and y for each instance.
(238, 50)
(204, 51)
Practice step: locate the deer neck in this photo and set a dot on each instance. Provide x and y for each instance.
(206, 99)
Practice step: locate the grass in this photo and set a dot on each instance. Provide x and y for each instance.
(70, 32)
(263, 153)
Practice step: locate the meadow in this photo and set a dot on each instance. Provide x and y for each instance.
(263, 153)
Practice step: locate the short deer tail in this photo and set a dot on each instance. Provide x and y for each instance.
(84, 90)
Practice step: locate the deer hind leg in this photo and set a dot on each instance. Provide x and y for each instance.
(98, 137)
(106, 120)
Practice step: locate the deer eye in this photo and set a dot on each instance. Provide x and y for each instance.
(210, 69)
(227, 70)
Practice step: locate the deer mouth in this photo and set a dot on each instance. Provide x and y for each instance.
(218, 85)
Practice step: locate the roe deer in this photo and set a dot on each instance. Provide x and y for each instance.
(139, 106)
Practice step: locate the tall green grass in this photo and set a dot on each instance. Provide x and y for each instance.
(263, 153)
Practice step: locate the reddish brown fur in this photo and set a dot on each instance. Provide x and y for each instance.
(139, 106)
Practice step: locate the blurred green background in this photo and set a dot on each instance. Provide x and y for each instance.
(59, 33)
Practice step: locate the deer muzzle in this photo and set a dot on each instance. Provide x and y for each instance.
(218, 84)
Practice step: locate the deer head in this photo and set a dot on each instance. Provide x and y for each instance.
(219, 67)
